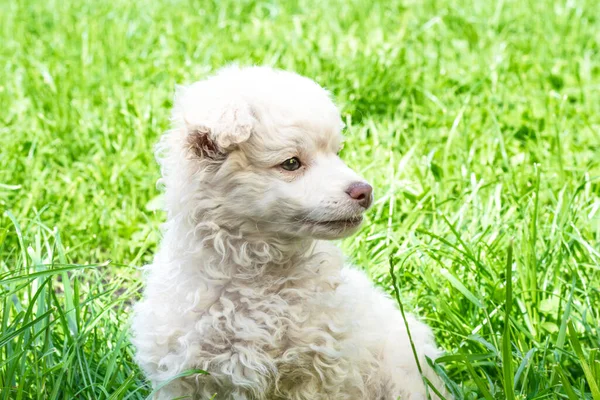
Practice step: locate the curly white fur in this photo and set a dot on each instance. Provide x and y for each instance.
(243, 285)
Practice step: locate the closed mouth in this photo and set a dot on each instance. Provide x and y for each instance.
(340, 223)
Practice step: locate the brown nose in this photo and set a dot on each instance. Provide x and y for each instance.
(362, 192)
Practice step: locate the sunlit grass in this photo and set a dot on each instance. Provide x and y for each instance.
(477, 122)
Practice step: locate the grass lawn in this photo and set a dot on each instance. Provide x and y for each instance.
(477, 122)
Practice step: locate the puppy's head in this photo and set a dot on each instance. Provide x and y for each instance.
(263, 147)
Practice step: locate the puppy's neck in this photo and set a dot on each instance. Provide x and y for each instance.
(246, 253)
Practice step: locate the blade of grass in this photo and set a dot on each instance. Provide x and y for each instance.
(592, 380)
(508, 380)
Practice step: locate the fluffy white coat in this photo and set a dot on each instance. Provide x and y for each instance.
(245, 285)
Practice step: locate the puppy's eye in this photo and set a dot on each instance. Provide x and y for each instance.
(291, 164)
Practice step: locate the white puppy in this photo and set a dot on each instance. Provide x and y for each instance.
(244, 285)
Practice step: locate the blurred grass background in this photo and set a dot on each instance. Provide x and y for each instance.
(477, 122)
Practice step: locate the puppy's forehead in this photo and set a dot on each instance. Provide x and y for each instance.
(325, 139)
(291, 110)
(313, 135)
(294, 109)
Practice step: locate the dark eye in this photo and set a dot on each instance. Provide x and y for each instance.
(291, 164)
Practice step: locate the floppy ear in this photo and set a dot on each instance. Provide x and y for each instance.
(215, 123)
(202, 146)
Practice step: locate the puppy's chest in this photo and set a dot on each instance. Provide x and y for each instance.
(269, 317)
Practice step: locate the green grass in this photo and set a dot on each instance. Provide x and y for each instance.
(478, 123)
